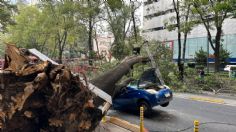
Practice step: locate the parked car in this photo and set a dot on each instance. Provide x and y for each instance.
(228, 67)
(146, 92)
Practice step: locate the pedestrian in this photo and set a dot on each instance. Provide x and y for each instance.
(202, 74)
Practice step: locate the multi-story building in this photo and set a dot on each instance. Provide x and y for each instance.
(157, 12)
(102, 44)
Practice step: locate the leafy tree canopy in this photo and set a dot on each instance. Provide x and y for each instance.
(6, 10)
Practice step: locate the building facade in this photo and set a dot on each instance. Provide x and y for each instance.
(102, 45)
(157, 12)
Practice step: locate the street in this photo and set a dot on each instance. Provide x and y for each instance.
(181, 113)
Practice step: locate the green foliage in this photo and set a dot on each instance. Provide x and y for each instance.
(105, 66)
(6, 11)
(213, 14)
(120, 50)
(2, 48)
(201, 57)
(118, 20)
(175, 83)
(115, 4)
(52, 27)
(187, 19)
(163, 57)
(215, 82)
(233, 68)
(224, 55)
(29, 31)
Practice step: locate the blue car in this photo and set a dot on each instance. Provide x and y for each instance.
(144, 92)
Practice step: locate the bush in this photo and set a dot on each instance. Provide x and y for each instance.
(233, 68)
(174, 83)
(191, 65)
(215, 82)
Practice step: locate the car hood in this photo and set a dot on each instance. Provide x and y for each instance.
(151, 91)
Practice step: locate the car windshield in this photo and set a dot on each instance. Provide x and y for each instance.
(147, 79)
(133, 84)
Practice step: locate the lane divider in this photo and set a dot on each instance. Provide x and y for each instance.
(211, 100)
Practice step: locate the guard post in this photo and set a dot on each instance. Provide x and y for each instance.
(196, 126)
(141, 120)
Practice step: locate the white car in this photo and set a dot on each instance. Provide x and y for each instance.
(228, 67)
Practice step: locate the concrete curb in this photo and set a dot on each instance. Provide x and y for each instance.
(123, 123)
(211, 100)
(204, 98)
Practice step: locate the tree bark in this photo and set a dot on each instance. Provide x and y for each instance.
(180, 65)
(47, 97)
(90, 42)
(217, 49)
(61, 45)
(107, 81)
(134, 23)
(186, 32)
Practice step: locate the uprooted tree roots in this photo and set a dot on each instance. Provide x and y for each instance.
(41, 96)
(44, 97)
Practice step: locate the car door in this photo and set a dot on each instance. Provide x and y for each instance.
(125, 99)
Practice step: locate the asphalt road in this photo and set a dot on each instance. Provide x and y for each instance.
(181, 113)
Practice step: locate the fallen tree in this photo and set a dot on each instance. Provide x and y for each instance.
(41, 96)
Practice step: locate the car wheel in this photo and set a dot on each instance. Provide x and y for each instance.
(165, 105)
(146, 108)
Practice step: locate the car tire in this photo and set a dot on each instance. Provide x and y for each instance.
(165, 104)
(146, 108)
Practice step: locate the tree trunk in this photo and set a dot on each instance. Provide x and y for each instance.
(107, 81)
(96, 40)
(134, 23)
(184, 47)
(180, 65)
(217, 49)
(44, 43)
(60, 56)
(186, 32)
(90, 42)
(61, 46)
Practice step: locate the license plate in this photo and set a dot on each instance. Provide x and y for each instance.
(167, 94)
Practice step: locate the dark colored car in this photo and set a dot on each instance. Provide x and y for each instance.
(144, 92)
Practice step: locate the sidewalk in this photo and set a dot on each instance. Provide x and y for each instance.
(109, 127)
(207, 98)
(114, 124)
